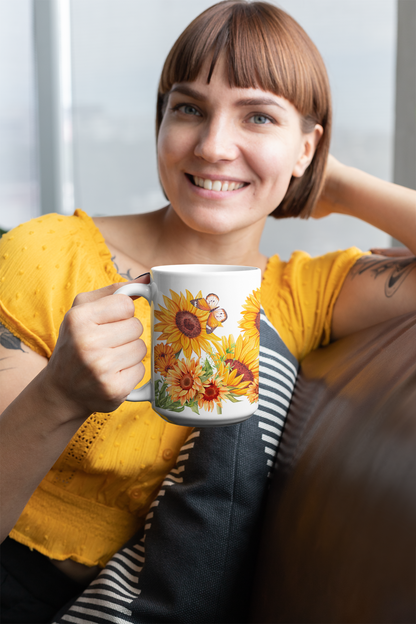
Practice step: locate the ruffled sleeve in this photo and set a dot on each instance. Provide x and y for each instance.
(299, 296)
(45, 263)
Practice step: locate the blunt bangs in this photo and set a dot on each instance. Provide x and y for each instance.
(264, 48)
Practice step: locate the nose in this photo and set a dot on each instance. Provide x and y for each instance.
(217, 141)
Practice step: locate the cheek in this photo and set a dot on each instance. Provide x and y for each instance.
(274, 168)
(166, 155)
(173, 147)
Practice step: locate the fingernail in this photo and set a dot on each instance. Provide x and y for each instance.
(142, 275)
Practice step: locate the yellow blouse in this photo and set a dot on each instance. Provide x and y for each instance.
(99, 491)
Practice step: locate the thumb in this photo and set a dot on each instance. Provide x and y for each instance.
(106, 291)
(144, 278)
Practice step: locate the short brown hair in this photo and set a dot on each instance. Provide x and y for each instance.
(265, 48)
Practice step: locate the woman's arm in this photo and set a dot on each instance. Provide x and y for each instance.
(387, 206)
(95, 364)
(377, 288)
(32, 436)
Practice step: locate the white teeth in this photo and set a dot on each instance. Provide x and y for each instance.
(217, 185)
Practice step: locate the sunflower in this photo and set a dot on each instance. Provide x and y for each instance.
(241, 358)
(253, 391)
(164, 358)
(183, 325)
(212, 394)
(184, 380)
(250, 323)
(231, 379)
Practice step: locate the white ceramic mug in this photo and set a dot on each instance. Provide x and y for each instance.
(205, 343)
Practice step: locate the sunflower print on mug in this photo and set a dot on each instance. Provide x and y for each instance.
(182, 325)
(250, 323)
(224, 369)
(240, 357)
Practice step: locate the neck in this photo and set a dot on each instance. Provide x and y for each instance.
(176, 243)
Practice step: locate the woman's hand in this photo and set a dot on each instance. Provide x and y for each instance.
(97, 360)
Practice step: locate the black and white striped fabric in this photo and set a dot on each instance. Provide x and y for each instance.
(194, 559)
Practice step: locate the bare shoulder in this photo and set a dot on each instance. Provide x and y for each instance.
(129, 239)
(376, 289)
(18, 366)
(115, 229)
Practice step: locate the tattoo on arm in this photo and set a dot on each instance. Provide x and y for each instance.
(126, 275)
(8, 341)
(395, 270)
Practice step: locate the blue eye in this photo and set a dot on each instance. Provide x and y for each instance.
(260, 120)
(188, 109)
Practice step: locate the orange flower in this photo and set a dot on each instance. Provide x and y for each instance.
(184, 380)
(250, 323)
(164, 358)
(253, 391)
(183, 325)
(212, 394)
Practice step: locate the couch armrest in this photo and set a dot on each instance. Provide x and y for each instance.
(338, 538)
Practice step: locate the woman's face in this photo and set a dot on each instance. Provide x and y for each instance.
(226, 155)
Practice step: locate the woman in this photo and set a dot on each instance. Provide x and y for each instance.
(243, 122)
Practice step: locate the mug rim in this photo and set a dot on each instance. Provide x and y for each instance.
(207, 269)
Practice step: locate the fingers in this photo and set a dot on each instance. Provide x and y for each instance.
(121, 358)
(108, 336)
(129, 378)
(108, 309)
(114, 375)
(393, 252)
(103, 306)
(112, 335)
(106, 291)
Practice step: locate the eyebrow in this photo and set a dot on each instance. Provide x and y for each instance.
(257, 101)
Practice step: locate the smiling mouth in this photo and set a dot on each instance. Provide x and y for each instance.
(215, 185)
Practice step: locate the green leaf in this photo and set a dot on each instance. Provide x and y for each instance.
(165, 402)
(219, 409)
(232, 398)
(176, 407)
(207, 368)
(177, 355)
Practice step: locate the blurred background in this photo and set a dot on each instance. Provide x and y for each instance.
(78, 82)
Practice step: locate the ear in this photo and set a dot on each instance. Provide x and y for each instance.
(309, 144)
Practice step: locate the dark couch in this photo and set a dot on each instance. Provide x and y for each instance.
(338, 543)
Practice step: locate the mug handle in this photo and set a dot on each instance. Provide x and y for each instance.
(145, 393)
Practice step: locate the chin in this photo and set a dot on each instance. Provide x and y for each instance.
(211, 222)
